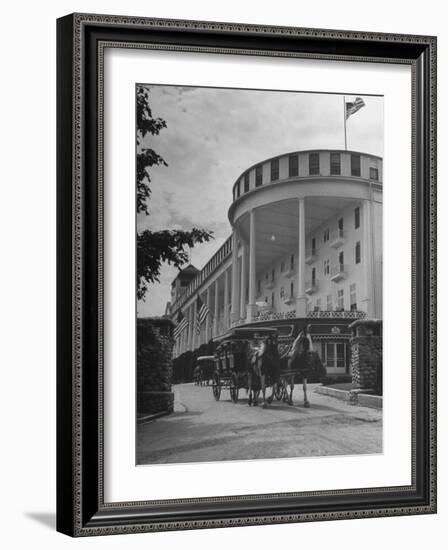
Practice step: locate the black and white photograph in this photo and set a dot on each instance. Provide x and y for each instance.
(259, 246)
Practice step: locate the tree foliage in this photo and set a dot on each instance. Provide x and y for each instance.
(156, 247)
(146, 157)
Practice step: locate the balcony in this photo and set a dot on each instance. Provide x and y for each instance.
(336, 314)
(339, 240)
(270, 285)
(338, 273)
(311, 256)
(311, 287)
(290, 272)
(270, 316)
(289, 299)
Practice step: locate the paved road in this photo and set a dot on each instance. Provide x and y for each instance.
(202, 429)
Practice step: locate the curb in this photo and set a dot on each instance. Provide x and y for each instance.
(362, 399)
(342, 395)
(150, 417)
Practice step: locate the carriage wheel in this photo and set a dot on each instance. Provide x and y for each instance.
(234, 388)
(216, 387)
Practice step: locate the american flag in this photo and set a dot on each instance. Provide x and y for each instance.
(351, 107)
(202, 312)
(181, 324)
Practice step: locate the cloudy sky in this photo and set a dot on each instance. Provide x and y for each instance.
(214, 134)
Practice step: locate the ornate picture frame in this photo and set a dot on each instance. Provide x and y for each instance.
(81, 506)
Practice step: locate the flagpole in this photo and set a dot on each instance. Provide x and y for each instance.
(345, 123)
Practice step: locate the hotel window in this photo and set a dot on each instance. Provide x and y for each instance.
(259, 286)
(341, 299)
(353, 305)
(293, 165)
(275, 169)
(292, 261)
(314, 167)
(317, 306)
(326, 235)
(326, 267)
(313, 245)
(246, 182)
(329, 302)
(272, 300)
(357, 218)
(358, 253)
(373, 173)
(272, 275)
(258, 176)
(335, 164)
(333, 355)
(341, 258)
(282, 266)
(238, 190)
(282, 292)
(266, 277)
(313, 276)
(341, 224)
(356, 165)
(292, 288)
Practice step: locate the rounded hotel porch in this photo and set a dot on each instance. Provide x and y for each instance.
(305, 246)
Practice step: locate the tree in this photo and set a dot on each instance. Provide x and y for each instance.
(156, 247)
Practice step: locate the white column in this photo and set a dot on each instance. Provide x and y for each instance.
(216, 309)
(235, 299)
(226, 299)
(301, 296)
(182, 341)
(207, 319)
(251, 306)
(366, 259)
(195, 334)
(243, 273)
(177, 347)
(190, 328)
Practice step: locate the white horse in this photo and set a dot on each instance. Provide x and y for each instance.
(296, 359)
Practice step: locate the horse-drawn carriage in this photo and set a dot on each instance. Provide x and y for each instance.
(232, 359)
(249, 358)
(203, 372)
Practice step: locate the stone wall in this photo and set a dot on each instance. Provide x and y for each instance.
(154, 366)
(367, 356)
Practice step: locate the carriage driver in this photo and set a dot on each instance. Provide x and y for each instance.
(258, 349)
(262, 347)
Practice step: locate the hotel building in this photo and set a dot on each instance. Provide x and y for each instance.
(305, 248)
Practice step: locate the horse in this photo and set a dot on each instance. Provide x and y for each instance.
(197, 376)
(263, 365)
(253, 378)
(296, 360)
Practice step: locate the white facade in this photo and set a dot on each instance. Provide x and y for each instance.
(306, 243)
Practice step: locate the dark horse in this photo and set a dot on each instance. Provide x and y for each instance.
(263, 367)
